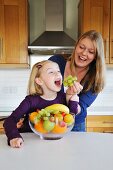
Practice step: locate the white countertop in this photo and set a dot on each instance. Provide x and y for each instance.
(80, 151)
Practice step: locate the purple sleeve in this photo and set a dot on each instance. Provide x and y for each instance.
(73, 106)
(10, 123)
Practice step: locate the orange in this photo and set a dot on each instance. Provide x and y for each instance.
(32, 116)
(68, 118)
(39, 127)
(59, 129)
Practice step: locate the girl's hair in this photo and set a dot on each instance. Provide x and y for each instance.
(94, 79)
(33, 87)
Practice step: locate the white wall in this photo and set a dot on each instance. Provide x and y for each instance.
(104, 103)
(13, 88)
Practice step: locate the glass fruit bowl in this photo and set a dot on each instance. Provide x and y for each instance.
(50, 126)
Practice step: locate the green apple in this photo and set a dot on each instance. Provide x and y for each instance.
(48, 125)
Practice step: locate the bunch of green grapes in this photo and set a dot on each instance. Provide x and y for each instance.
(68, 81)
(42, 114)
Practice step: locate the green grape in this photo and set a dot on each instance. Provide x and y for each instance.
(45, 118)
(47, 114)
(71, 84)
(68, 81)
(65, 84)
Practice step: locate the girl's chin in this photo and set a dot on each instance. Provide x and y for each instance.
(58, 89)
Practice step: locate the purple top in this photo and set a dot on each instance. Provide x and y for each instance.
(28, 105)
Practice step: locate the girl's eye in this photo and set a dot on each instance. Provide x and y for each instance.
(51, 72)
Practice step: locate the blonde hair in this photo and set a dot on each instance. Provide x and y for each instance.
(95, 77)
(33, 87)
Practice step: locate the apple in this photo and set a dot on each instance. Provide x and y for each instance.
(62, 124)
(48, 125)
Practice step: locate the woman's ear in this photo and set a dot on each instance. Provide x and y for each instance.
(38, 81)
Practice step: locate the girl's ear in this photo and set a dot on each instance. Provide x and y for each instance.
(38, 81)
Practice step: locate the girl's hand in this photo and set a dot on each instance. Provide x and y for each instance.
(16, 143)
(75, 89)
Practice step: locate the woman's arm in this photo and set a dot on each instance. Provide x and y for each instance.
(85, 101)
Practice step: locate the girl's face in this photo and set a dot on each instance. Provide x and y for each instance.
(50, 77)
(85, 52)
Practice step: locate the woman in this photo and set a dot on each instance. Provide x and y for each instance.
(87, 64)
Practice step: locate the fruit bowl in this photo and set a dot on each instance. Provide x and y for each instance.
(51, 125)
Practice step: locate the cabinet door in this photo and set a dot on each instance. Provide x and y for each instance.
(111, 34)
(96, 15)
(99, 123)
(13, 32)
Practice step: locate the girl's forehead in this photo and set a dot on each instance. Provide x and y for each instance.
(50, 65)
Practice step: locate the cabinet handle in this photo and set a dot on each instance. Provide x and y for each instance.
(111, 47)
(107, 131)
(1, 47)
(108, 122)
(107, 48)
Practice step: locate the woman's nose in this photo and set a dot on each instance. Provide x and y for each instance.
(85, 51)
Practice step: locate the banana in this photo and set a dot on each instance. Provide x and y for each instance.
(57, 107)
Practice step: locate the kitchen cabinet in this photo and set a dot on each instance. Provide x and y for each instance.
(98, 15)
(99, 123)
(13, 33)
(1, 127)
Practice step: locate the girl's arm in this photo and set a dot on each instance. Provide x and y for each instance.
(10, 124)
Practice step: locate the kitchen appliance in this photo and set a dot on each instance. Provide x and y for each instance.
(54, 39)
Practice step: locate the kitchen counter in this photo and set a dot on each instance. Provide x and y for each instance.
(80, 151)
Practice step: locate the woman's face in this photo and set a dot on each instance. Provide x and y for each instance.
(50, 77)
(84, 53)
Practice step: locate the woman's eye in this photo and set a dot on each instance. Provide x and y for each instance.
(82, 47)
(91, 52)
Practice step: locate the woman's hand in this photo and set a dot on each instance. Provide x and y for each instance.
(16, 143)
(20, 123)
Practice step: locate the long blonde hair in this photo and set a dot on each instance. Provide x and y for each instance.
(95, 77)
(33, 87)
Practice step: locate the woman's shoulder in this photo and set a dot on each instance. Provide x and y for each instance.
(59, 59)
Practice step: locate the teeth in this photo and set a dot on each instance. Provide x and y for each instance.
(82, 58)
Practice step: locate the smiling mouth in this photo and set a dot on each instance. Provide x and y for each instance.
(82, 58)
(58, 82)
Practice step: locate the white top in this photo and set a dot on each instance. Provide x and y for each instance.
(80, 151)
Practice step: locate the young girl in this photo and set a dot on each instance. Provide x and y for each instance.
(44, 89)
